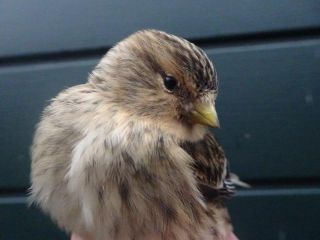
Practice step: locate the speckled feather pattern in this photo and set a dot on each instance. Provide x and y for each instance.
(115, 158)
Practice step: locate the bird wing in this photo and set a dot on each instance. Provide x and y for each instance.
(214, 180)
(210, 168)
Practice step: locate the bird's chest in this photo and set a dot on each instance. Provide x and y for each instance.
(136, 188)
(149, 202)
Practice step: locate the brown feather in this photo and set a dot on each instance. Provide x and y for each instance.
(211, 170)
(210, 161)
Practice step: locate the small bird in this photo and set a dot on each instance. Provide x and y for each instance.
(129, 155)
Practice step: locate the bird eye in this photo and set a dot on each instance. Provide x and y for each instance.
(170, 82)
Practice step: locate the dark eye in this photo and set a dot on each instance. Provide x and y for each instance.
(170, 82)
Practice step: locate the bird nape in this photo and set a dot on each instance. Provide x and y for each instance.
(129, 154)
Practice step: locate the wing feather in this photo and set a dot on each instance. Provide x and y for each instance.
(211, 167)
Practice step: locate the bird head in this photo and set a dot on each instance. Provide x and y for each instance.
(160, 77)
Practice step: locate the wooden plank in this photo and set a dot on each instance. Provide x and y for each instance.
(36, 26)
(276, 214)
(268, 107)
(17, 221)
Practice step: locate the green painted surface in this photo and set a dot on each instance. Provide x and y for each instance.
(17, 222)
(37, 26)
(269, 106)
(280, 214)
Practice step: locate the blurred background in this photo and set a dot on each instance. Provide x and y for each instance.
(267, 54)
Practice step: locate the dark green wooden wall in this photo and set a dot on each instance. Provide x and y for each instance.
(267, 54)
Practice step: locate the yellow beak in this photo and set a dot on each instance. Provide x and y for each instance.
(205, 114)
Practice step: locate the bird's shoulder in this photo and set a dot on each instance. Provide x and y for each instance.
(210, 167)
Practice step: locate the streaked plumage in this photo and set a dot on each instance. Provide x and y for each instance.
(126, 155)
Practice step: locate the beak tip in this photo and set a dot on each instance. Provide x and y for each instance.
(216, 125)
